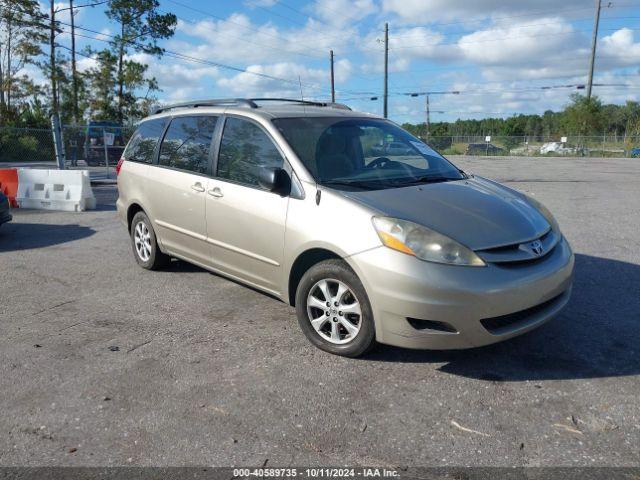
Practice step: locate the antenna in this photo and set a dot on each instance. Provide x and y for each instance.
(302, 95)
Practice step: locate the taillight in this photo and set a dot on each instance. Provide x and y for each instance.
(119, 165)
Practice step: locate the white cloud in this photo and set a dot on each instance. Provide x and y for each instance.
(178, 80)
(405, 46)
(85, 63)
(519, 43)
(314, 85)
(423, 11)
(343, 12)
(620, 48)
(237, 40)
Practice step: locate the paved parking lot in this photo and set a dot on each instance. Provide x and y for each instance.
(103, 363)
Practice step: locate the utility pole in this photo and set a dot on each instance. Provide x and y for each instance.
(52, 60)
(594, 42)
(428, 120)
(74, 74)
(333, 85)
(386, 69)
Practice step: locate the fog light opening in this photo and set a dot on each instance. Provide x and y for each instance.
(420, 324)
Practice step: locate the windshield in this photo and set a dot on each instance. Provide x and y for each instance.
(363, 153)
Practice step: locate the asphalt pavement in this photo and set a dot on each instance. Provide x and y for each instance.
(104, 363)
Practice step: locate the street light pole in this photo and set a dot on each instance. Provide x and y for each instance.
(427, 106)
(74, 73)
(428, 119)
(52, 59)
(386, 69)
(333, 85)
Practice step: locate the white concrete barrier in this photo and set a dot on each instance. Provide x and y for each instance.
(68, 190)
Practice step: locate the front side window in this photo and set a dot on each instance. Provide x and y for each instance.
(364, 153)
(142, 145)
(244, 151)
(187, 143)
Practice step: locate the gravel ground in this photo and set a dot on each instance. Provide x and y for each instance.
(103, 363)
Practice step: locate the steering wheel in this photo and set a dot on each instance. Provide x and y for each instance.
(380, 162)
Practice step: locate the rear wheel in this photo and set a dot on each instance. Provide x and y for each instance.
(333, 309)
(145, 244)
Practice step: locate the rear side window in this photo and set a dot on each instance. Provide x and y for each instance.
(246, 149)
(142, 145)
(187, 143)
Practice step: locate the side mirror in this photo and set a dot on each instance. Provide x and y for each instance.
(275, 180)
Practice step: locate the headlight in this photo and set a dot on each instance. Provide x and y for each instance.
(424, 243)
(544, 211)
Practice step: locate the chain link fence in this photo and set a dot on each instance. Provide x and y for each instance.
(529, 146)
(94, 146)
(99, 145)
(26, 145)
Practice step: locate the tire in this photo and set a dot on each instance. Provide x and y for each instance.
(146, 253)
(333, 328)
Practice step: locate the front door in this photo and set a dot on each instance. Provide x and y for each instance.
(245, 223)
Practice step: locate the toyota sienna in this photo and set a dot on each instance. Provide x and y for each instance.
(371, 234)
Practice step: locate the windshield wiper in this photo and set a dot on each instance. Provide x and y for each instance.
(431, 179)
(349, 183)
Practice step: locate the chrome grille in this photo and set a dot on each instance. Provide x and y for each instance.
(530, 250)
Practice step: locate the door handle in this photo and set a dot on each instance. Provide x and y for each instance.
(216, 192)
(197, 187)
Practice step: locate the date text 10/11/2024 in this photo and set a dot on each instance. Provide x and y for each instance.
(320, 472)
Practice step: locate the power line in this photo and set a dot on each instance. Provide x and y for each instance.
(280, 37)
(483, 19)
(246, 27)
(302, 13)
(539, 89)
(265, 45)
(189, 58)
(516, 27)
(500, 39)
(185, 57)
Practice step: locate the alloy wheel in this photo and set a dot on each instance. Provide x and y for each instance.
(142, 240)
(334, 311)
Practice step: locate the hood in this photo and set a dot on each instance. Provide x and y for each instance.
(476, 212)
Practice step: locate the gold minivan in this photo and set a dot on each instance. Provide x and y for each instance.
(371, 234)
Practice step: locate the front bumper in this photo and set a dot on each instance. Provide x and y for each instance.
(484, 305)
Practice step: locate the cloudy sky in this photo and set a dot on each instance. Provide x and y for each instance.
(500, 55)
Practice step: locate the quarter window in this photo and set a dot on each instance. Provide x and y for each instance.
(244, 151)
(187, 143)
(143, 143)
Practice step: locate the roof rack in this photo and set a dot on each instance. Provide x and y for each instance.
(245, 102)
(216, 102)
(341, 106)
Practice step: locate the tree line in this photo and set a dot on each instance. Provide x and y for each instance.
(580, 117)
(115, 87)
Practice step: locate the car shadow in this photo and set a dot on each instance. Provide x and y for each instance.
(16, 236)
(180, 266)
(595, 336)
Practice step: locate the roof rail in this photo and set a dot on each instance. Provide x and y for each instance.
(303, 102)
(245, 102)
(216, 102)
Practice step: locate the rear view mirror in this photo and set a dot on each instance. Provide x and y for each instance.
(275, 180)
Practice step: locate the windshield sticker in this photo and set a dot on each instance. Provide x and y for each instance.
(424, 149)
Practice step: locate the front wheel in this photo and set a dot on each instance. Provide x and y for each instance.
(333, 309)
